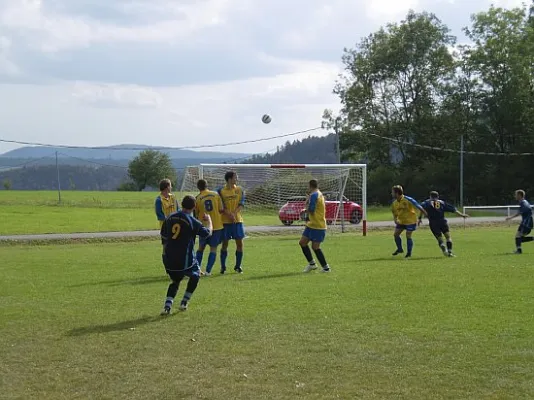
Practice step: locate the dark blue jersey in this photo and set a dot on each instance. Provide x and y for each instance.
(525, 210)
(436, 209)
(178, 235)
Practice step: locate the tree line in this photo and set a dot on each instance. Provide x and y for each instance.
(410, 85)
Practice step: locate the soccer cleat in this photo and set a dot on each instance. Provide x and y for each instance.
(223, 271)
(450, 254)
(183, 305)
(166, 311)
(207, 273)
(238, 270)
(408, 255)
(310, 267)
(397, 252)
(518, 251)
(326, 269)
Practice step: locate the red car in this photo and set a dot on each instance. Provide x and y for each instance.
(294, 209)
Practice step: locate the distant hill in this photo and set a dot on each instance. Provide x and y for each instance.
(119, 152)
(33, 168)
(312, 150)
(71, 178)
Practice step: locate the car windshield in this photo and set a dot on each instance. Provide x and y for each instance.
(332, 196)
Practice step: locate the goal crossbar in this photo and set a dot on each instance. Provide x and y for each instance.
(289, 166)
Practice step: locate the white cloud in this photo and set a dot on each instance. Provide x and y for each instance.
(52, 31)
(7, 66)
(97, 54)
(101, 114)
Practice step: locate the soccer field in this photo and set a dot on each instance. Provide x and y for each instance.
(82, 321)
(36, 212)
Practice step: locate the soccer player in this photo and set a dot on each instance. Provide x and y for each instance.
(209, 203)
(178, 234)
(404, 211)
(166, 202)
(439, 226)
(315, 230)
(233, 198)
(525, 227)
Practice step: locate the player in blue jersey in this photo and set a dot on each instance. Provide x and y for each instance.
(178, 234)
(525, 227)
(439, 226)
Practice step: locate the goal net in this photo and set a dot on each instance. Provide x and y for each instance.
(276, 193)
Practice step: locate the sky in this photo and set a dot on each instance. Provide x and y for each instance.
(183, 72)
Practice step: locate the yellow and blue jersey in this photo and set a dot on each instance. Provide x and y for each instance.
(405, 210)
(209, 202)
(232, 198)
(316, 211)
(165, 206)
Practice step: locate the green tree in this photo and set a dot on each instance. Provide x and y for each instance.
(501, 62)
(149, 167)
(395, 85)
(7, 184)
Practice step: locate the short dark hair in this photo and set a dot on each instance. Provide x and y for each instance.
(520, 192)
(397, 189)
(188, 203)
(229, 175)
(164, 184)
(314, 184)
(202, 184)
(434, 194)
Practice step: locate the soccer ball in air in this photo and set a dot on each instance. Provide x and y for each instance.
(266, 119)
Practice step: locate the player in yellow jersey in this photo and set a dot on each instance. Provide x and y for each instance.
(233, 198)
(166, 202)
(209, 203)
(404, 211)
(315, 230)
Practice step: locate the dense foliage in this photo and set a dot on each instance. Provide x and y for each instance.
(411, 84)
(312, 150)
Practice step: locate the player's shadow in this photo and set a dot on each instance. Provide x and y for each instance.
(390, 258)
(119, 282)
(274, 276)
(118, 326)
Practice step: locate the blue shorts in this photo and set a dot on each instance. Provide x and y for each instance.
(234, 231)
(315, 235)
(177, 275)
(408, 228)
(214, 240)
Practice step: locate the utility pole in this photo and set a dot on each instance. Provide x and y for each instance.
(462, 171)
(58, 183)
(336, 130)
(341, 209)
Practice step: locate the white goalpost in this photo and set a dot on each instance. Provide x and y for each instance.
(276, 193)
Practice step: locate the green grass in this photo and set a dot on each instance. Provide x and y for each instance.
(34, 212)
(81, 321)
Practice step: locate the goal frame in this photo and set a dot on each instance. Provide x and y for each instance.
(363, 167)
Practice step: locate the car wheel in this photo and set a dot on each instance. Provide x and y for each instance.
(355, 217)
(287, 222)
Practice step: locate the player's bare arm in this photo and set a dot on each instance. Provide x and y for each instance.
(513, 216)
(207, 219)
(461, 214)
